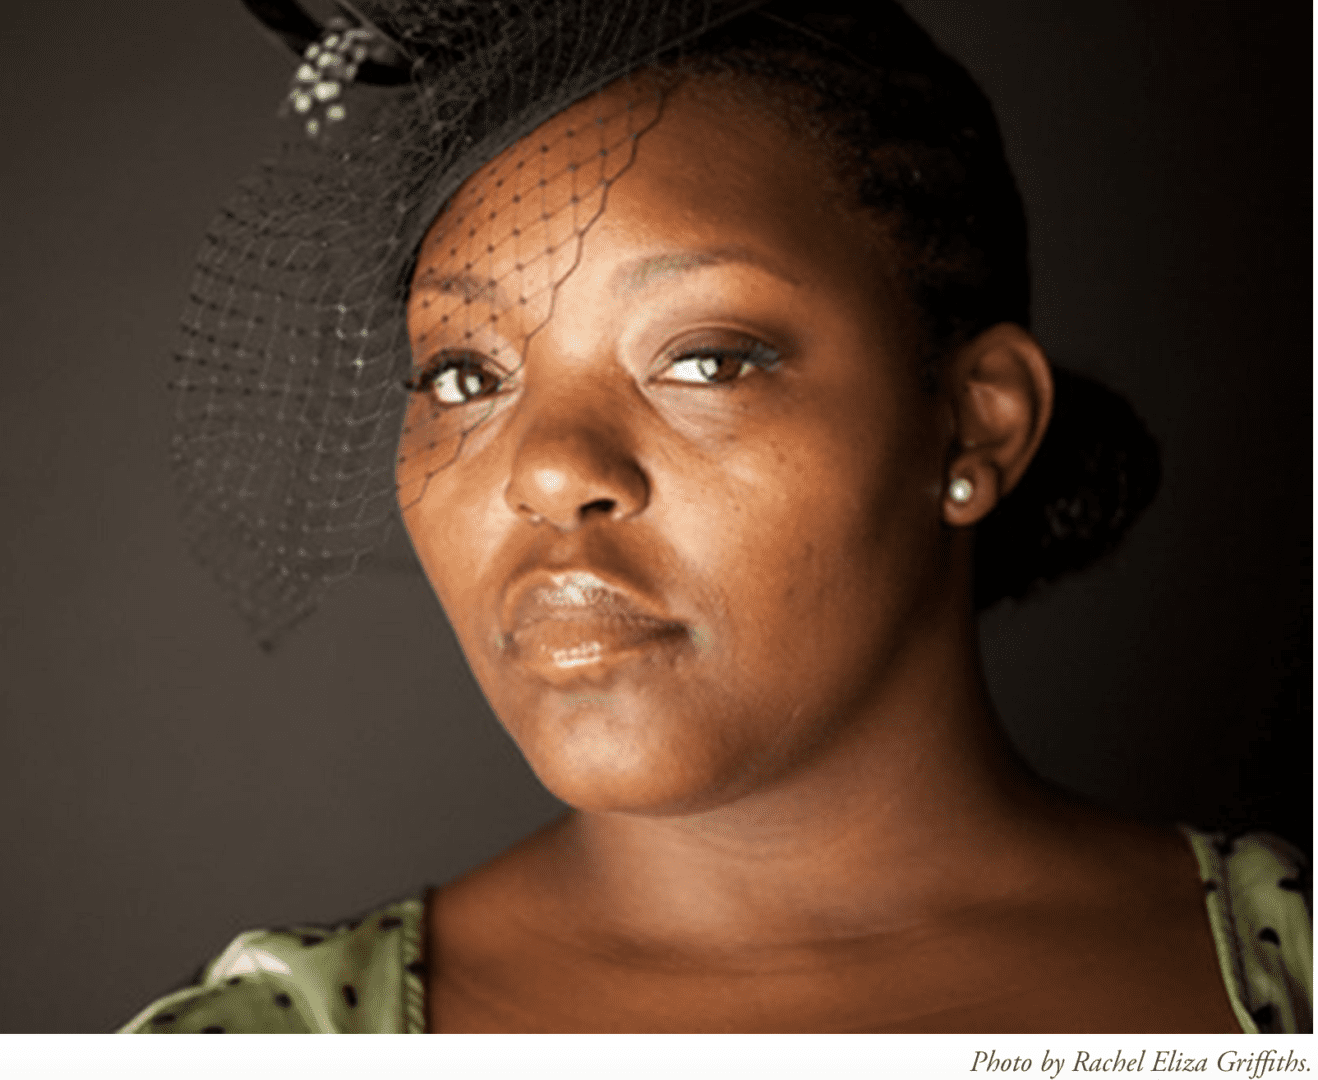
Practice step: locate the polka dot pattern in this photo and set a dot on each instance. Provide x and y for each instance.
(363, 975)
(1257, 893)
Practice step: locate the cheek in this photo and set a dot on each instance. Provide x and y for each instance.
(817, 542)
(451, 530)
(428, 445)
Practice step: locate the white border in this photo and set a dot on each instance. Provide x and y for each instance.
(642, 1057)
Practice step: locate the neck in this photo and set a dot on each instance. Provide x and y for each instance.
(918, 808)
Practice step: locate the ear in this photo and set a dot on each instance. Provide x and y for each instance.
(1000, 390)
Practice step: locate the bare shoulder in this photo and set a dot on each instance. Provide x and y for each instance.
(1105, 851)
(1124, 906)
(497, 948)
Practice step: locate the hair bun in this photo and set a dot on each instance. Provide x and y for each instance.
(1095, 472)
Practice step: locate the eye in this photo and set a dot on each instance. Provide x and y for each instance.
(714, 365)
(457, 378)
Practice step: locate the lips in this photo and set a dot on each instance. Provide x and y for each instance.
(570, 622)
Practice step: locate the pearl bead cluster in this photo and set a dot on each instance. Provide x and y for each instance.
(327, 67)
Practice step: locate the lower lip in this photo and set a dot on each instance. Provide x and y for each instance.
(564, 648)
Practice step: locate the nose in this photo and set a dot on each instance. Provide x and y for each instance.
(569, 469)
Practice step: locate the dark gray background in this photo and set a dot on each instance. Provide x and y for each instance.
(166, 785)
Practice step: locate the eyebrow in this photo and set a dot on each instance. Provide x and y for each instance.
(631, 277)
(468, 286)
(635, 275)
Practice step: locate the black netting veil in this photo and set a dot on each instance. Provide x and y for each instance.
(294, 352)
(312, 407)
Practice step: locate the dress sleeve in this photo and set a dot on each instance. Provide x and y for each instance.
(248, 988)
(353, 977)
(1258, 892)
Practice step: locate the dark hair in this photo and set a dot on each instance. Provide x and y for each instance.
(915, 139)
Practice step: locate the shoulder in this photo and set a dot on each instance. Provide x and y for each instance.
(1258, 892)
(363, 975)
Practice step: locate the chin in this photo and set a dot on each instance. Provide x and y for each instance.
(602, 752)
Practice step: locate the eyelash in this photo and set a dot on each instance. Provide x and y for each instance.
(469, 365)
(757, 355)
(464, 365)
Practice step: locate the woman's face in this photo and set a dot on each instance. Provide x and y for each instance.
(668, 466)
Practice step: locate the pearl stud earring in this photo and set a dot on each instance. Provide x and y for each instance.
(960, 490)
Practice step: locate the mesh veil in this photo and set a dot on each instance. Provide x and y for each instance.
(297, 434)
(293, 348)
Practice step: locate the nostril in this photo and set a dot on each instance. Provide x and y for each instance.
(599, 506)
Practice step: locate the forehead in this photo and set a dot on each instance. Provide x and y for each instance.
(541, 193)
(682, 167)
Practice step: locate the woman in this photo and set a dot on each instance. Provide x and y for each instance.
(719, 422)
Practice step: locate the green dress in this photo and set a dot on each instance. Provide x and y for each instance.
(368, 975)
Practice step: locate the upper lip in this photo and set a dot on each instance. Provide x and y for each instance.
(574, 594)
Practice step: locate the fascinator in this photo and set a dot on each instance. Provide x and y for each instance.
(292, 367)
